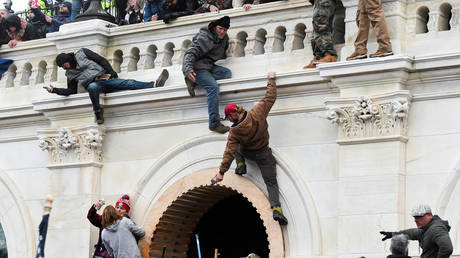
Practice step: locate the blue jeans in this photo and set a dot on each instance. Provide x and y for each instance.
(76, 6)
(97, 87)
(207, 80)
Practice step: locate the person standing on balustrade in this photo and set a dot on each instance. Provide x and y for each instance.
(208, 46)
(322, 39)
(370, 12)
(95, 73)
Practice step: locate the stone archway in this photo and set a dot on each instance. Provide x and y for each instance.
(189, 190)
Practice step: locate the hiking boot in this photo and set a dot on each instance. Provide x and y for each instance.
(356, 56)
(312, 63)
(164, 75)
(278, 216)
(190, 87)
(381, 54)
(328, 58)
(240, 169)
(99, 116)
(220, 128)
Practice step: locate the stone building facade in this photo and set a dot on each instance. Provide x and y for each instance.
(357, 143)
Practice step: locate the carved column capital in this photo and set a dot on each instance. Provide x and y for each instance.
(70, 147)
(368, 121)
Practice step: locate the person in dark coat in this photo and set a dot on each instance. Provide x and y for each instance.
(208, 46)
(398, 248)
(18, 30)
(95, 73)
(38, 20)
(432, 233)
(177, 8)
(247, 4)
(249, 139)
(213, 5)
(153, 10)
(62, 17)
(4, 38)
(134, 11)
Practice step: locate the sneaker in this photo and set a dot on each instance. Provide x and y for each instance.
(241, 170)
(164, 75)
(278, 216)
(190, 87)
(328, 58)
(99, 116)
(220, 128)
(381, 54)
(356, 56)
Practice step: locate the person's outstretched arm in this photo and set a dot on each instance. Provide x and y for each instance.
(265, 105)
(71, 88)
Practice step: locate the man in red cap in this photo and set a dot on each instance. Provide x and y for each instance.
(248, 138)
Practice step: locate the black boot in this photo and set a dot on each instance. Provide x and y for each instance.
(278, 216)
(99, 116)
(240, 169)
(164, 75)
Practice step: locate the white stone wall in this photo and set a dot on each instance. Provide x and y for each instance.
(340, 183)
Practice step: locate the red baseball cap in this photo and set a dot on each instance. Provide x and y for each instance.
(230, 109)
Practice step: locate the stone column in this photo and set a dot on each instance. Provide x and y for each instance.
(433, 21)
(372, 135)
(455, 19)
(75, 161)
(249, 49)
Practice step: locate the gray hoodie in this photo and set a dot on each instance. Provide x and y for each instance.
(433, 238)
(206, 48)
(120, 239)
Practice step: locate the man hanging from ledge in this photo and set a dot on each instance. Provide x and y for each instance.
(248, 138)
(95, 73)
(208, 46)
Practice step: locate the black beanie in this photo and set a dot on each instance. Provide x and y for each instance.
(12, 20)
(223, 22)
(64, 58)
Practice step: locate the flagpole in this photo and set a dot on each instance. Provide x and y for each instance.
(43, 228)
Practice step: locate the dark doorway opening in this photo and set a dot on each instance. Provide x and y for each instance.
(234, 227)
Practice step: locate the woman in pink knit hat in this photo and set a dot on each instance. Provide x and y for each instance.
(123, 205)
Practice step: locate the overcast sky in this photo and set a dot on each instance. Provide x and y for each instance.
(18, 5)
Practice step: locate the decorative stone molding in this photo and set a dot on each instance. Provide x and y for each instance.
(366, 120)
(80, 146)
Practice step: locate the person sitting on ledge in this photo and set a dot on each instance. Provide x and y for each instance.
(94, 72)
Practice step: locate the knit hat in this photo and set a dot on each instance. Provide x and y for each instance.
(12, 20)
(68, 5)
(223, 22)
(64, 58)
(420, 210)
(124, 202)
(230, 109)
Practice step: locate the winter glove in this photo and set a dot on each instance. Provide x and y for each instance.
(387, 235)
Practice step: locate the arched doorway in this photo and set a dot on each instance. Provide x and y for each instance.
(223, 219)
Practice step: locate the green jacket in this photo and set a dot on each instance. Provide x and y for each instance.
(433, 238)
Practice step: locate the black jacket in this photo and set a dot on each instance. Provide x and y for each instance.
(72, 84)
(433, 238)
(261, 1)
(181, 8)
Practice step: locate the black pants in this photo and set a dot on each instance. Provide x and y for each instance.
(267, 165)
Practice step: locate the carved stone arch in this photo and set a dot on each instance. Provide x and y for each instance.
(134, 59)
(421, 23)
(26, 73)
(299, 36)
(117, 60)
(11, 76)
(240, 44)
(279, 39)
(445, 16)
(448, 203)
(192, 164)
(150, 57)
(260, 39)
(168, 53)
(15, 220)
(41, 71)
